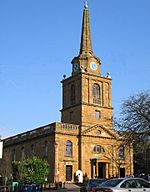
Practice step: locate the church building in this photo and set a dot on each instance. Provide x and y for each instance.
(85, 138)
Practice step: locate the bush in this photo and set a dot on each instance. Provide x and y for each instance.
(32, 170)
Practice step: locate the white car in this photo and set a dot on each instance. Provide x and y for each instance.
(124, 185)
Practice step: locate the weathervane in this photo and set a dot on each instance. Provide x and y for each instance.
(86, 4)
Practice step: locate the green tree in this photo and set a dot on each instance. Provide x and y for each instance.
(32, 170)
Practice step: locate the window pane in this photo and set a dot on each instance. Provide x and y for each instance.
(97, 114)
(99, 149)
(96, 91)
(68, 148)
(96, 94)
(121, 152)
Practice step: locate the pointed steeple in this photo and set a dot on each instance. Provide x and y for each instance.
(86, 43)
(86, 62)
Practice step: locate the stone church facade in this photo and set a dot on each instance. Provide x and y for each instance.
(85, 138)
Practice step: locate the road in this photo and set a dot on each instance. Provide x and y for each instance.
(68, 187)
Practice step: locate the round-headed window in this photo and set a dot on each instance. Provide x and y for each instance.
(98, 149)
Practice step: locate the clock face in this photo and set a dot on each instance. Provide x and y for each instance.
(76, 67)
(93, 65)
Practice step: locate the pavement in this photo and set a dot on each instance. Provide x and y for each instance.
(68, 187)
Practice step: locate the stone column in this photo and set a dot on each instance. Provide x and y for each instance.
(107, 170)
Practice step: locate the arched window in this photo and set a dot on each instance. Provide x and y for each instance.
(96, 93)
(98, 149)
(72, 95)
(121, 152)
(68, 148)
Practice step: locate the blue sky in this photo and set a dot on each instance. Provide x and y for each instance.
(38, 40)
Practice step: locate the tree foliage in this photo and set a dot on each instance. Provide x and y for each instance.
(32, 170)
(134, 124)
(136, 113)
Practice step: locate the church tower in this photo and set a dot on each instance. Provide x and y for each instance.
(86, 93)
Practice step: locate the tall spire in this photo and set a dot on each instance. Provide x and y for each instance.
(86, 61)
(86, 44)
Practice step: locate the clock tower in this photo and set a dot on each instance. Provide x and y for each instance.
(86, 93)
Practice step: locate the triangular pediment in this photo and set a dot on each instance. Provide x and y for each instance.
(101, 156)
(99, 130)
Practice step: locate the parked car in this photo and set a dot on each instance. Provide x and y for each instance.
(91, 183)
(124, 185)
